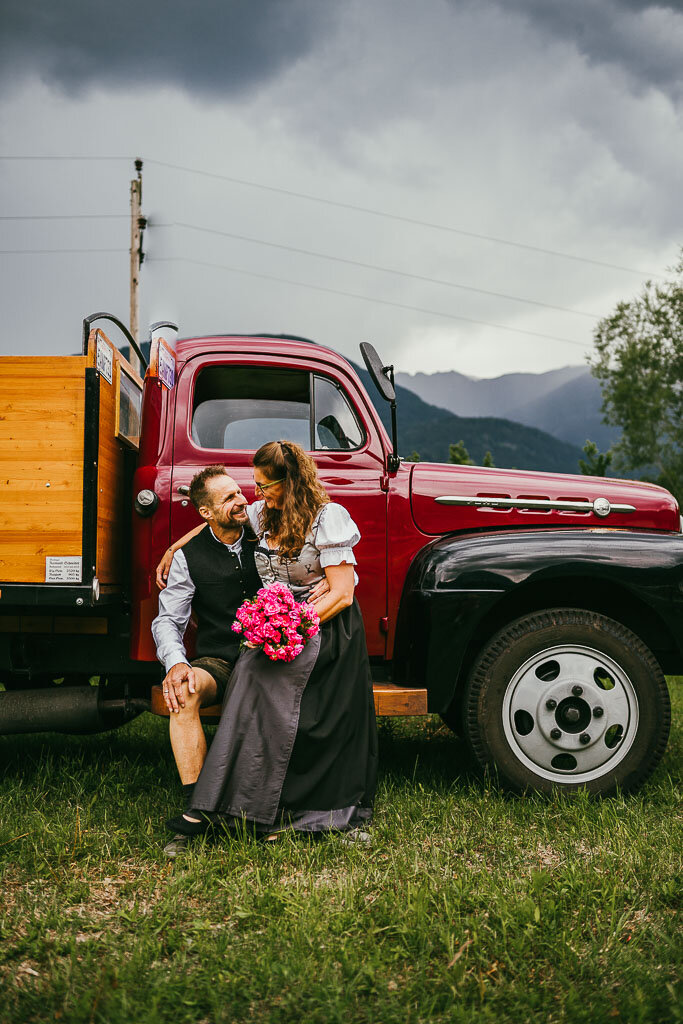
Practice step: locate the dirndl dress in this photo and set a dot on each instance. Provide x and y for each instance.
(296, 745)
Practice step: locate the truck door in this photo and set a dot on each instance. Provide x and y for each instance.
(227, 406)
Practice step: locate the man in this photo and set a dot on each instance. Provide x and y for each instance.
(211, 575)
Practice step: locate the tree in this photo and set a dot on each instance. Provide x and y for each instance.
(458, 454)
(596, 462)
(415, 457)
(488, 460)
(639, 364)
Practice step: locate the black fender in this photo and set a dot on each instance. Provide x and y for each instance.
(462, 588)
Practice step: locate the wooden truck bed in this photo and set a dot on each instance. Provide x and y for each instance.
(64, 466)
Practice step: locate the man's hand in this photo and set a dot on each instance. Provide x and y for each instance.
(163, 568)
(319, 590)
(172, 686)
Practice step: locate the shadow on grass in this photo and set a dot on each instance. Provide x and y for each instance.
(412, 752)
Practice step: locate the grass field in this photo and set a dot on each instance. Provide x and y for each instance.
(471, 906)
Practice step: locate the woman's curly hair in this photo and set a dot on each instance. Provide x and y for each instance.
(303, 498)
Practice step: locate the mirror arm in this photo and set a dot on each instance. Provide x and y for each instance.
(393, 461)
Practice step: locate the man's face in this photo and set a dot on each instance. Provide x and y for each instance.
(228, 505)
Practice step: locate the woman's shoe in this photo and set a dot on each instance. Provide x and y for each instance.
(190, 828)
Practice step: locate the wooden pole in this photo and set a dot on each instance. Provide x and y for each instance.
(135, 259)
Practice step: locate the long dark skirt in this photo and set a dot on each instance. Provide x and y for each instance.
(297, 742)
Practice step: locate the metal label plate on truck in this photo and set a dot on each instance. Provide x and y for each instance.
(104, 360)
(63, 570)
(166, 366)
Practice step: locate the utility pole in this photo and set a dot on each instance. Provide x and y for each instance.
(138, 223)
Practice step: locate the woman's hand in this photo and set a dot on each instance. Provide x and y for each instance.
(319, 591)
(163, 568)
(165, 563)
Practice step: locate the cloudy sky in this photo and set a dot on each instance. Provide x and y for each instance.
(467, 184)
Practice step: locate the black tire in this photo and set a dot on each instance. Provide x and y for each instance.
(611, 715)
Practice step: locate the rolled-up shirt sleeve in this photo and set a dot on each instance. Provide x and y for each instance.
(336, 536)
(175, 608)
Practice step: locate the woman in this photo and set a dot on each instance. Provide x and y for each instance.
(296, 745)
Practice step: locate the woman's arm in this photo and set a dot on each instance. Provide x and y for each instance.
(165, 563)
(340, 596)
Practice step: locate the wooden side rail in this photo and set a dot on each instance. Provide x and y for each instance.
(389, 700)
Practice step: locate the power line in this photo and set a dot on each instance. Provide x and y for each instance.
(399, 217)
(78, 158)
(50, 252)
(374, 266)
(363, 298)
(359, 209)
(65, 216)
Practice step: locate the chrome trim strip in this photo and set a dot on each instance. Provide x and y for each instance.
(534, 504)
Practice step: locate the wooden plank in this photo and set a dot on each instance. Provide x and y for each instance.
(41, 462)
(110, 484)
(399, 700)
(390, 700)
(110, 469)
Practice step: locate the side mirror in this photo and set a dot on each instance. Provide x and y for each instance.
(380, 374)
(383, 379)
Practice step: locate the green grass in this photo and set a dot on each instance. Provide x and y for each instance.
(473, 905)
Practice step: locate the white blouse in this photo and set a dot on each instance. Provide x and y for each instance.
(330, 541)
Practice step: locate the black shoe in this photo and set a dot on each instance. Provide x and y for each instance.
(190, 828)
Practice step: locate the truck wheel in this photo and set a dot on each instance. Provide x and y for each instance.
(567, 699)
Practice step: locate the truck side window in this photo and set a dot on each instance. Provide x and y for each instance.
(336, 425)
(245, 406)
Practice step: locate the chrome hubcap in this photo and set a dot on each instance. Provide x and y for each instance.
(570, 712)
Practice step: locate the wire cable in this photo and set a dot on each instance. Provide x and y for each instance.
(51, 252)
(359, 209)
(363, 298)
(374, 266)
(65, 216)
(398, 217)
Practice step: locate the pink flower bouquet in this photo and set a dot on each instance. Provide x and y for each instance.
(276, 622)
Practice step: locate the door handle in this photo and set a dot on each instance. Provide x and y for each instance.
(183, 489)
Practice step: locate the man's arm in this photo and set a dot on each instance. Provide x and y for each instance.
(168, 630)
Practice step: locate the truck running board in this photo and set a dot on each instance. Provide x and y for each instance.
(389, 700)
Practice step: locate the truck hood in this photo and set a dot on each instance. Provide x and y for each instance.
(444, 499)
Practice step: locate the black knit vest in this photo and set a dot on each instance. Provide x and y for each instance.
(221, 585)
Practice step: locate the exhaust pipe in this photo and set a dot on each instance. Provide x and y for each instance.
(66, 709)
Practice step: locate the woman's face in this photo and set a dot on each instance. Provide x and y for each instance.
(272, 491)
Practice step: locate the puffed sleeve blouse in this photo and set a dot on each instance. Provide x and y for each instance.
(330, 541)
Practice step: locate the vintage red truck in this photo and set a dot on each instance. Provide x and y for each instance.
(536, 612)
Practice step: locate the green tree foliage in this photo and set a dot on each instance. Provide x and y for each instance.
(413, 457)
(639, 364)
(458, 454)
(596, 462)
(488, 460)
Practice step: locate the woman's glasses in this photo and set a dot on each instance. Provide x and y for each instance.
(264, 487)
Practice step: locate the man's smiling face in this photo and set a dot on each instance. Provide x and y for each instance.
(228, 507)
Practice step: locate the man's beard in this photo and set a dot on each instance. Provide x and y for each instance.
(227, 522)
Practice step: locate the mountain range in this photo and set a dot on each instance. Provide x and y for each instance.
(428, 430)
(565, 402)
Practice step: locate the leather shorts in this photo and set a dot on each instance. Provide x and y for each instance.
(220, 670)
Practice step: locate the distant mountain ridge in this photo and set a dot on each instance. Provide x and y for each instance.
(565, 402)
(429, 430)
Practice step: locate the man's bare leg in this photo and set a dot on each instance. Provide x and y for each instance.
(188, 741)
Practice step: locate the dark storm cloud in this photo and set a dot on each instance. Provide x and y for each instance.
(641, 37)
(209, 46)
